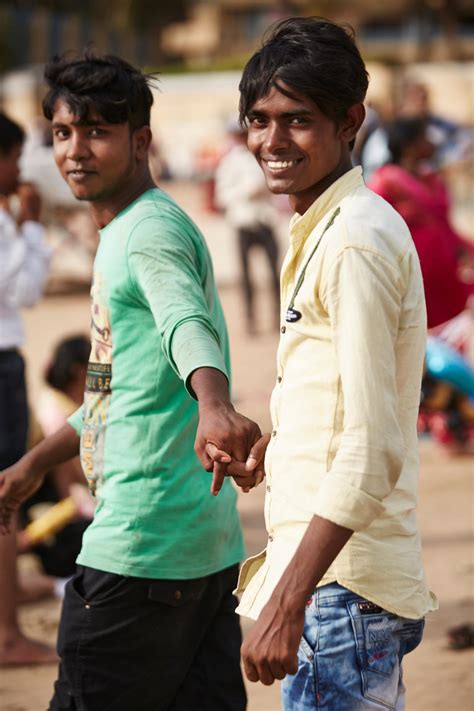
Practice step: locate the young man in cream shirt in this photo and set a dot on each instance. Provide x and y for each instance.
(339, 595)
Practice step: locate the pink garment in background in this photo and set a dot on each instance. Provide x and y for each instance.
(423, 203)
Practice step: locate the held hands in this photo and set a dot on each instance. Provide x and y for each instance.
(247, 474)
(17, 483)
(223, 435)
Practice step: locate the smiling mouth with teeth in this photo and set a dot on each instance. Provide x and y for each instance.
(280, 164)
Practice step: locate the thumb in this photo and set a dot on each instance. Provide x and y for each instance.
(257, 453)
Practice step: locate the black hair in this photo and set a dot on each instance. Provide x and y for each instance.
(68, 353)
(102, 84)
(11, 134)
(313, 56)
(402, 133)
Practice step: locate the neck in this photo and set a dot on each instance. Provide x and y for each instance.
(105, 211)
(300, 202)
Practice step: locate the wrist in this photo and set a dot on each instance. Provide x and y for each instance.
(215, 403)
(211, 387)
(32, 462)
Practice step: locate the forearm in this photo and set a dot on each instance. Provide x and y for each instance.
(56, 449)
(319, 547)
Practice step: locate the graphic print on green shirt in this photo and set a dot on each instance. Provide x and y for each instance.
(155, 318)
(98, 387)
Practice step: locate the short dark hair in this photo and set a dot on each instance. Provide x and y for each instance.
(11, 134)
(313, 56)
(68, 353)
(102, 84)
(401, 134)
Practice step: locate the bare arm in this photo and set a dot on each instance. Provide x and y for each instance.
(270, 650)
(21, 480)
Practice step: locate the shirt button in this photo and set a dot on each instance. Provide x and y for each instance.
(177, 595)
(274, 433)
(269, 488)
(270, 538)
(279, 379)
(283, 329)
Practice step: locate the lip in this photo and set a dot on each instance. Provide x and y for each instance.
(79, 174)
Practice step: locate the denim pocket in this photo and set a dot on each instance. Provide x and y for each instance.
(378, 648)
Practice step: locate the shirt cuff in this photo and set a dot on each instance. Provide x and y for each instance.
(343, 504)
(194, 346)
(76, 420)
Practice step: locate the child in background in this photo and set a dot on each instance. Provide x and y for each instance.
(65, 378)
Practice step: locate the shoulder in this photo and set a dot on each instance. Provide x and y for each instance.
(370, 223)
(156, 220)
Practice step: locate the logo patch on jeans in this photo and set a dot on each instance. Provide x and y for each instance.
(369, 608)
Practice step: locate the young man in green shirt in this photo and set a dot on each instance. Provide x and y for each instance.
(148, 622)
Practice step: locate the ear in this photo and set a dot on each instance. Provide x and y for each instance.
(354, 119)
(142, 141)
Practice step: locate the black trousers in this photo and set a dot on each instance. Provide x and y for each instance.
(13, 408)
(261, 236)
(134, 644)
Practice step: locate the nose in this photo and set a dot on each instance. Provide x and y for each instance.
(276, 137)
(78, 147)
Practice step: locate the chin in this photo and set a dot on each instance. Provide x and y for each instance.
(279, 188)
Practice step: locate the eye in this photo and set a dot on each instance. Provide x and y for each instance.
(257, 121)
(298, 121)
(60, 134)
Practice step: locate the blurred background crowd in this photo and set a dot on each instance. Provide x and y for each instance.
(416, 149)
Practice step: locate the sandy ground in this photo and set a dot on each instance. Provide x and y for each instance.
(437, 678)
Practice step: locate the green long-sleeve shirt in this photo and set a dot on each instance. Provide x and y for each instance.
(155, 318)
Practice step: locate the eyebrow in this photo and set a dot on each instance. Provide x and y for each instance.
(84, 122)
(286, 114)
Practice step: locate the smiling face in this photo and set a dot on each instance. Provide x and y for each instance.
(96, 159)
(300, 150)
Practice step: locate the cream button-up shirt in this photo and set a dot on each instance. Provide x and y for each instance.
(344, 407)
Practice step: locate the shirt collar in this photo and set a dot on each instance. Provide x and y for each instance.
(302, 225)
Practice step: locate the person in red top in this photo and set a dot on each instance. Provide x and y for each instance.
(421, 197)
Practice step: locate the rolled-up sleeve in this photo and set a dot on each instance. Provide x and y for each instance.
(362, 296)
(168, 277)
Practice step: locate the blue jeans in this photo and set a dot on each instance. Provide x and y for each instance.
(350, 655)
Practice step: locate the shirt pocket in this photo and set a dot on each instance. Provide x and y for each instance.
(377, 648)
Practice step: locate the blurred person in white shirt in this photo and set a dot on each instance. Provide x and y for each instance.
(24, 261)
(242, 194)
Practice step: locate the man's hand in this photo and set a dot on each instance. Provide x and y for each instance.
(17, 483)
(270, 650)
(231, 434)
(30, 203)
(227, 435)
(21, 480)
